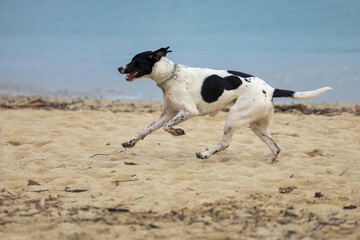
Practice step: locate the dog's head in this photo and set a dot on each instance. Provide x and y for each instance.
(142, 64)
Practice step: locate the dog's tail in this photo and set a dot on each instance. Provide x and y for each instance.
(278, 93)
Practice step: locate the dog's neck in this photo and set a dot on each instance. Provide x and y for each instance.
(163, 71)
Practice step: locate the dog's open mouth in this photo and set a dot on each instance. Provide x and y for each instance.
(131, 75)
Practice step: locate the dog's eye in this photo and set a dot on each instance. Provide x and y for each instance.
(135, 63)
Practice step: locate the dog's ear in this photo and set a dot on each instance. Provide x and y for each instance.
(160, 53)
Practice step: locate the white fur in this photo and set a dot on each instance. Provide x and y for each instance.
(310, 94)
(183, 100)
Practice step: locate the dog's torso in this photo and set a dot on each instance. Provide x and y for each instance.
(208, 90)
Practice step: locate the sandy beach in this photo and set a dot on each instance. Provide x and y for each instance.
(65, 175)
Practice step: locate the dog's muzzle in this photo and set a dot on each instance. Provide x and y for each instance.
(130, 75)
(121, 70)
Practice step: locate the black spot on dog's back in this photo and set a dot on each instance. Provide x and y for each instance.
(231, 82)
(213, 86)
(240, 74)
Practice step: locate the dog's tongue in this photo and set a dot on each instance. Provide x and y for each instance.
(131, 75)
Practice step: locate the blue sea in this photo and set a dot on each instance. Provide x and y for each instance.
(73, 48)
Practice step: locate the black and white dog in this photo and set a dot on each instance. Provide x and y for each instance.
(189, 92)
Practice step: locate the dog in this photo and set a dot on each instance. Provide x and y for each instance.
(190, 92)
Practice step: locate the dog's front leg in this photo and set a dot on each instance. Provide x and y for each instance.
(180, 117)
(158, 123)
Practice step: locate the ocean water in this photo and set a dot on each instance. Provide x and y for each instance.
(74, 48)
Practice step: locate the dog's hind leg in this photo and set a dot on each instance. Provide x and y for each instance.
(261, 129)
(224, 143)
(238, 116)
(243, 112)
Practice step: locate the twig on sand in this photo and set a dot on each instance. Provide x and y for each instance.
(30, 214)
(101, 109)
(287, 189)
(39, 191)
(343, 172)
(350, 207)
(153, 226)
(108, 154)
(76, 190)
(127, 180)
(118, 210)
(32, 182)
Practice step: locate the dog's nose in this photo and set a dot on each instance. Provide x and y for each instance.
(121, 70)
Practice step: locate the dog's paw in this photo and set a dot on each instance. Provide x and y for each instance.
(128, 144)
(201, 156)
(179, 132)
(176, 131)
(273, 158)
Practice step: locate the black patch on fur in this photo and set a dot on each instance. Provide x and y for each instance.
(213, 86)
(143, 62)
(240, 74)
(278, 93)
(264, 92)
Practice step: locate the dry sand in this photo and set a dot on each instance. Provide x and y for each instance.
(52, 187)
